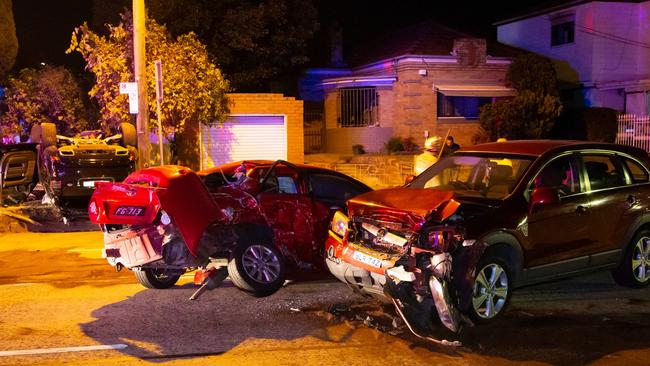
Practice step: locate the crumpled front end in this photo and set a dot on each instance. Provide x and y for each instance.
(417, 258)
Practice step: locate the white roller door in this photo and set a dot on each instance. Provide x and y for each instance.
(244, 137)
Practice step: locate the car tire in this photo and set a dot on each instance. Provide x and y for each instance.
(129, 136)
(634, 269)
(257, 267)
(35, 134)
(491, 290)
(48, 135)
(155, 278)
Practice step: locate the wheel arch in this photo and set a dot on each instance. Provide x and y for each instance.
(507, 246)
(640, 223)
(252, 230)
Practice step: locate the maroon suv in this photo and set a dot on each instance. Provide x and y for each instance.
(463, 234)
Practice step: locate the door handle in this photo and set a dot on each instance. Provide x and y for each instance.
(581, 209)
(631, 200)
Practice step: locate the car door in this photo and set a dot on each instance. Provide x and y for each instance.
(330, 191)
(559, 232)
(612, 202)
(291, 214)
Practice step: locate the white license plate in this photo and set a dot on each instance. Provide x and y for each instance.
(358, 256)
(91, 183)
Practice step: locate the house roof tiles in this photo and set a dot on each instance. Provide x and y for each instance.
(425, 38)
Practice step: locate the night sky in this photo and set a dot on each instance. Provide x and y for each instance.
(44, 26)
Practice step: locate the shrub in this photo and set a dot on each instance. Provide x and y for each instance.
(358, 149)
(394, 144)
(410, 145)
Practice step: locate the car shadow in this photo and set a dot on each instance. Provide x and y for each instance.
(571, 322)
(162, 325)
(553, 323)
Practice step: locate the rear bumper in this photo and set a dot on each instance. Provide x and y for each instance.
(79, 182)
(132, 248)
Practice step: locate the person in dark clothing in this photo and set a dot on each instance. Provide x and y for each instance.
(450, 146)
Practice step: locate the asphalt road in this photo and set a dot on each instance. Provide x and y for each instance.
(58, 295)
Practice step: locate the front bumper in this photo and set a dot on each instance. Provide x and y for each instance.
(365, 277)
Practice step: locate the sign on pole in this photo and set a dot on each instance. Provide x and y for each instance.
(132, 90)
(159, 80)
(159, 99)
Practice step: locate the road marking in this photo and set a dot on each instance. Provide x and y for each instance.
(18, 284)
(41, 351)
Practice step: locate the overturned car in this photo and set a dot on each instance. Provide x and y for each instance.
(452, 244)
(69, 167)
(269, 220)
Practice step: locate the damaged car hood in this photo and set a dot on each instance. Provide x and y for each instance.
(414, 205)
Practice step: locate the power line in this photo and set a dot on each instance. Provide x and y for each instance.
(613, 37)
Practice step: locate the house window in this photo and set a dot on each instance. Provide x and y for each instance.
(358, 107)
(562, 33)
(461, 106)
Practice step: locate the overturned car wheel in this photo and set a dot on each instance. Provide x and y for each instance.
(491, 292)
(156, 278)
(257, 267)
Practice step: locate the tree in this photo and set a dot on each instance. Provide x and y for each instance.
(50, 94)
(8, 40)
(195, 90)
(254, 40)
(531, 114)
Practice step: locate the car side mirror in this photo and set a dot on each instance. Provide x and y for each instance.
(543, 196)
(409, 179)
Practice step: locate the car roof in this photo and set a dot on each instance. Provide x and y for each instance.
(229, 168)
(539, 147)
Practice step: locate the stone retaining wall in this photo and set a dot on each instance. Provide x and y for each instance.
(377, 171)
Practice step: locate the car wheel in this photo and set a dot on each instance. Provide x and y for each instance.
(491, 290)
(129, 135)
(157, 278)
(47, 135)
(634, 269)
(257, 267)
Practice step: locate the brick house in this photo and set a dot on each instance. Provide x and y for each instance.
(601, 50)
(426, 78)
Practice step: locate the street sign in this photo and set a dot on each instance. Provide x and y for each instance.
(159, 81)
(132, 90)
(128, 88)
(133, 103)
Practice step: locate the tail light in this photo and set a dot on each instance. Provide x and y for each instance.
(55, 184)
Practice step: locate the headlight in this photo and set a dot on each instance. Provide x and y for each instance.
(340, 223)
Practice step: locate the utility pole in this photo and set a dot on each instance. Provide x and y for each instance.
(142, 121)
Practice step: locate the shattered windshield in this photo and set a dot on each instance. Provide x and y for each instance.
(486, 175)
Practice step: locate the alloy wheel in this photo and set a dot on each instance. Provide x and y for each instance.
(490, 291)
(261, 264)
(641, 260)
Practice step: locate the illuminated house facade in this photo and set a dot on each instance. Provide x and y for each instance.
(423, 79)
(601, 50)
